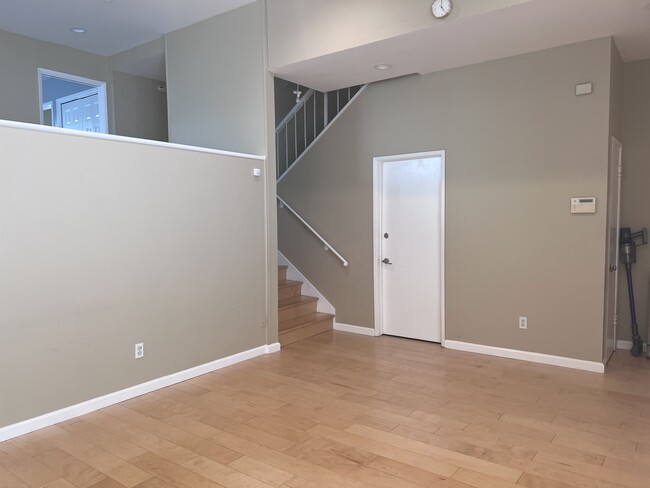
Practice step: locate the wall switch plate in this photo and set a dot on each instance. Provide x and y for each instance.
(584, 89)
(139, 350)
(257, 172)
(523, 322)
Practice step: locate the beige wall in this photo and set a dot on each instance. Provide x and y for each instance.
(635, 204)
(519, 144)
(20, 58)
(140, 108)
(129, 243)
(215, 77)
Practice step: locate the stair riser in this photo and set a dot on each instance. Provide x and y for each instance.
(295, 335)
(282, 274)
(289, 291)
(297, 310)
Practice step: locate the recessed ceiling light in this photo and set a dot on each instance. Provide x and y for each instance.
(78, 30)
(382, 67)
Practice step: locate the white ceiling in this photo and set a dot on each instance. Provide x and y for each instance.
(459, 41)
(113, 25)
(117, 25)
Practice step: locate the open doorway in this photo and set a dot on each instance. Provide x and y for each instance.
(72, 102)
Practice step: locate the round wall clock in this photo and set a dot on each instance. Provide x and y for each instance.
(442, 8)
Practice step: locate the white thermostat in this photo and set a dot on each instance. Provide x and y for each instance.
(583, 205)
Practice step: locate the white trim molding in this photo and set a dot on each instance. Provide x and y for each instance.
(355, 329)
(132, 140)
(533, 357)
(67, 413)
(627, 345)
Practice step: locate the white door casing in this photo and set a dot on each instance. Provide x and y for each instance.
(613, 231)
(99, 88)
(409, 207)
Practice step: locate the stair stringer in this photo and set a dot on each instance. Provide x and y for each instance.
(323, 305)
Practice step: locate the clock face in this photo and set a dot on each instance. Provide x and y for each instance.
(441, 8)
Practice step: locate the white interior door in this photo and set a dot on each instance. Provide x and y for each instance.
(614, 225)
(81, 111)
(411, 247)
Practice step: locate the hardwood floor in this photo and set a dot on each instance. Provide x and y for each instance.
(343, 411)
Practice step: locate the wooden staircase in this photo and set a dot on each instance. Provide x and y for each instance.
(297, 315)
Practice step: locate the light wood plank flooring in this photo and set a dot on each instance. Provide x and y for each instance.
(345, 411)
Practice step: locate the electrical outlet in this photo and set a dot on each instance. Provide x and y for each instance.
(523, 322)
(139, 350)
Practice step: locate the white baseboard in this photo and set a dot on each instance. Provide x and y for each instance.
(627, 345)
(355, 329)
(48, 419)
(323, 305)
(533, 357)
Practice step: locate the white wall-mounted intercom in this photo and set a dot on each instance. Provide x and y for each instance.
(583, 205)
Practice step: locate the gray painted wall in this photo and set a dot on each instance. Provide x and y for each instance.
(215, 76)
(635, 202)
(20, 58)
(519, 144)
(140, 109)
(134, 244)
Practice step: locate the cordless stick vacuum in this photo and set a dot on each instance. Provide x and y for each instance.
(629, 241)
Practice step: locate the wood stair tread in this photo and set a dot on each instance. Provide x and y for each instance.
(303, 331)
(297, 313)
(295, 301)
(288, 283)
(301, 321)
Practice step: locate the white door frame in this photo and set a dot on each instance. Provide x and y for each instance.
(377, 197)
(101, 91)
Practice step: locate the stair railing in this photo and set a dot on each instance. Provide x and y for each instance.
(285, 137)
(326, 245)
(306, 121)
